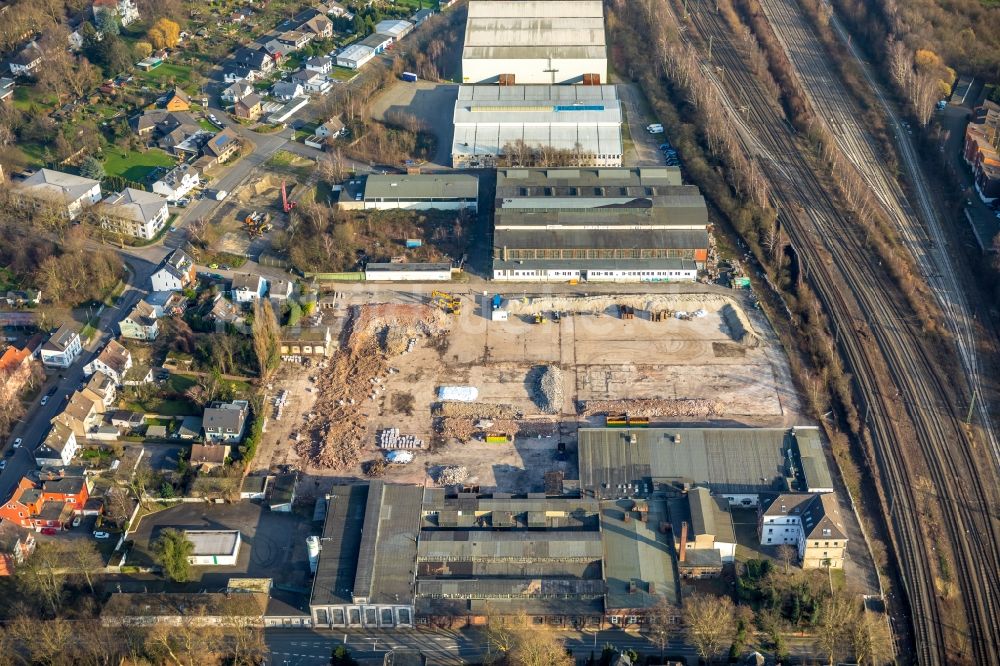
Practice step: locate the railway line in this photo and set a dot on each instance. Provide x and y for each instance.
(900, 386)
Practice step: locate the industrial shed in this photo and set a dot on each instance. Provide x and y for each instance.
(214, 547)
(416, 192)
(535, 41)
(429, 272)
(534, 124)
(599, 225)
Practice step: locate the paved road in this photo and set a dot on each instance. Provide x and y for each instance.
(35, 426)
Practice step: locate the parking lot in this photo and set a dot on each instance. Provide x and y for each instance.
(274, 544)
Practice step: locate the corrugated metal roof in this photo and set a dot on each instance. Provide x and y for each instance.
(638, 559)
(534, 8)
(727, 460)
(584, 239)
(668, 264)
(422, 186)
(334, 580)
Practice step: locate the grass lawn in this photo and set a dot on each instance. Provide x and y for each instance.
(134, 165)
(166, 407)
(207, 125)
(417, 5)
(342, 73)
(180, 73)
(180, 383)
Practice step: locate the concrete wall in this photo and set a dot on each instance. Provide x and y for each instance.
(533, 70)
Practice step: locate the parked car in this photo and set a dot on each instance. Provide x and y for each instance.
(182, 202)
(225, 267)
(3, 464)
(77, 520)
(52, 391)
(17, 443)
(49, 530)
(45, 400)
(101, 535)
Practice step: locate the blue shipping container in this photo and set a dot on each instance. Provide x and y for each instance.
(410, 76)
(413, 242)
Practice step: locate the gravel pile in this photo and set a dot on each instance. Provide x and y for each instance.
(452, 475)
(548, 392)
(478, 410)
(665, 407)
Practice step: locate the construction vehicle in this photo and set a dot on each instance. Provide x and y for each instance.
(540, 318)
(447, 302)
(286, 205)
(257, 223)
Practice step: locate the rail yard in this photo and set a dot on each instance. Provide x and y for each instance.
(906, 394)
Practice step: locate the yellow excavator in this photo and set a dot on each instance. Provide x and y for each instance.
(447, 302)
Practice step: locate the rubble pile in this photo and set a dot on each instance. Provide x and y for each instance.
(548, 390)
(463, 429)
(478, 410)
(655, 407)
(452, 475)
(335, 429)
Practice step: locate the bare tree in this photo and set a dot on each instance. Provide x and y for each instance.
(871, 640)
(710, 623)
(787, 555)
(660, 624)
(839, 614)
(83, 558)
(266, 336)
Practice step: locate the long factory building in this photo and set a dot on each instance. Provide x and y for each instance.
(598, 225)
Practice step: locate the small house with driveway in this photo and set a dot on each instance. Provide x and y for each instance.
(248, 108)
(321, 64)
(287, 90)
(62, 348)
(248, 287)
(225, 421)
(236, 92)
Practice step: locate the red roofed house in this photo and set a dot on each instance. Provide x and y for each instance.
(52, 505)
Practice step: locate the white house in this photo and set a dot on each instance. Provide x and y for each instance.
(62, 348)
(135, 213)
(248, 287)
(286, 91)
(69, 194)
(126, 9)
(236, 92)
(279, 289)
(225, 421)
(321, 64)
(59, 447)
(175, 273)
(140, 324)
(355, 56)
(178, 182)
(115, 360)
(26, 61)
(810, 522)
(331, 129)
(311, 81)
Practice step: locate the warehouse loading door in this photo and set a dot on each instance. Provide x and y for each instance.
(591, 79)
(506, 79)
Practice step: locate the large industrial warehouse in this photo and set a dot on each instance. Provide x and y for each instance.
(599, 225)
(579, 125)
(535, 41)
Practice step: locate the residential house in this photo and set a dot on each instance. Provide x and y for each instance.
(114, 361)
(74, 490)
(254, 60)
(225, 421)
(811, 522)
(26, 61)
(295, 38)
(355, 56)
(178, 182)
(319, 26)
(60, 350)
(175, 273)
(209, 456)
(104, 388)
(166, 303)
(51, 503)
(154, 121)
(177, 100)
(311, 81)
(83, 412)
(331, 129)
(126, 420)
(222, 147)
(138, 375)
(135, 213)
(236, 73)
(279, 289)
(248, 287)
(236, 92)
(321, 64)
(126, 10)
(248, 108)
(277, 50)
(190, 428)
(140, 324)
(286, 90)
(75, 41)
(335, 9)
(69, 194)
(6, 89)
(394, 28)
(58, 448)
(225, 313)
(421, 16)
(183, 141)
(982, 149)
(16, 545)
(17, 371)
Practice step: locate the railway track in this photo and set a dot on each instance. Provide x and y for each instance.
(899, 384)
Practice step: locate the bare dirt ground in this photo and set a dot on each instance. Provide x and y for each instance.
(673, 370)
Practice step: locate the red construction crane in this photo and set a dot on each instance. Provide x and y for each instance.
(286, 205)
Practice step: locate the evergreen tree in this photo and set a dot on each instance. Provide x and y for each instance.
(92, 168)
